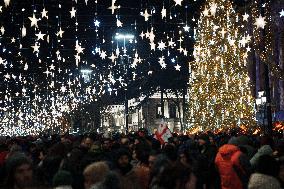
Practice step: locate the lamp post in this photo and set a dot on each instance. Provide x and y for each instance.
(123, 37)
(261, 103)
(86, 75)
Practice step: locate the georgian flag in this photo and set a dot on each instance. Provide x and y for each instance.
(163, 133)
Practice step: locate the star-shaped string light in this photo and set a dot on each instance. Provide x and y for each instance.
(243, 41)
(151, 35)
(40, 36)
(2, 61)
(142, 35)
(185, 52)
(206, 12)
(52, 67)
(146, 15)
(103, 54)
(118, 23)
(178, 2)
(7, 3)
(161, 45)
(177, 67)
(260, 22)
(34, 21)
(13, 40)
(35, 48)
(44, 13)
(248, 49)
(248, 38)
(245, 17)
(153, 46)
(73, 12)
(97, 23)
(213, 9)
(113, 7)
(281, 13)
(79, 49)
(171, 43)
(60, 33)
(164, 12)
(186, 28)
(231, 41)
(162, 62)
(112, 57)
(63, 89)
(223, 32)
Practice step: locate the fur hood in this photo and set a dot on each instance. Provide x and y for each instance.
(261, 181)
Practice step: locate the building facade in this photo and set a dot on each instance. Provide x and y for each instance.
(147, 115)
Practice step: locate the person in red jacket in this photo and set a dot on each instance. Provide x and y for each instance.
(233, 166)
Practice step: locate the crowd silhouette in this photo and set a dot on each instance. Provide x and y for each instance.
(139, 161)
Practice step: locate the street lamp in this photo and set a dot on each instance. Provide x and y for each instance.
(261, 104)
(86, 75)
(119, 36)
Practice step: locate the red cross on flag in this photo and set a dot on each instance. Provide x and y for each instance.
(163, 133)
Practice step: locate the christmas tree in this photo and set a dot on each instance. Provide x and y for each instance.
(219, 89)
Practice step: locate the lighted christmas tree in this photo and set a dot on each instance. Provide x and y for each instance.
(219, 90)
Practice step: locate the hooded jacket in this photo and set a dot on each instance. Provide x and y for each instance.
(264, 150)
(232, 170)
(262, 181)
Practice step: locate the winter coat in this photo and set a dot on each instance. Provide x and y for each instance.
(264, 150)
(261, 181)
(232, 166)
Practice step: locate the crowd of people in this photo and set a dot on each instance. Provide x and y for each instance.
(139, 161)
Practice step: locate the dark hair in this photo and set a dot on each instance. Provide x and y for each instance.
(268, 165)
(142, 152)
(170, 151)
(165, 174)
(121, 152)
(111, 181)
(12, 163)
(267, 140)
(62, 178)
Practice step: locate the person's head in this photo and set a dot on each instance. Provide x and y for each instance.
(124, 141)
(183, 159)
(106, 145)
(123, 160)
(62, 178)
(95, 173)
(268, 165)
(87, 142)
(168, 175)
(170, 151)
(111, 181)
(19, 171)
(267, 140)
(203, 140)
(152, 158)
(141, 152)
